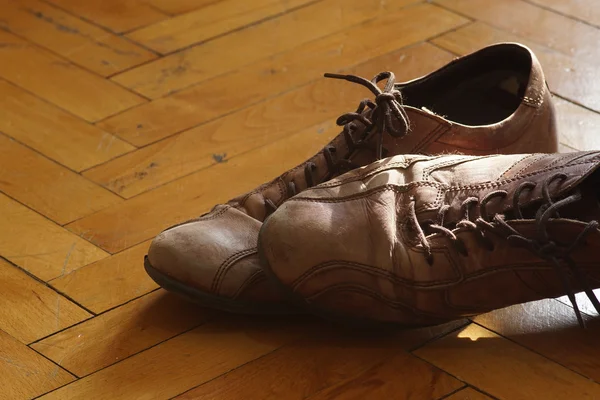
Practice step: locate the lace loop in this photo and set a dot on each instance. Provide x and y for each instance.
(517, 196)
(486, 200)
(385, 114)
(557, 255)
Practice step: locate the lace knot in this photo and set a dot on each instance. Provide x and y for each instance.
(386, 97)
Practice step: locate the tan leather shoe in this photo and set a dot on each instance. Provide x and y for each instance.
(419, 240)
(492, 101)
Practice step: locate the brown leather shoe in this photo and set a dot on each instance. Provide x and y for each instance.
(419, 240)
(492, 101)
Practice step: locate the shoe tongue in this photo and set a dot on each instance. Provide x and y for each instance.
(588, 207)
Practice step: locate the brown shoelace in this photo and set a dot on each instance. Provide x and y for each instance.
(386, 114)
(542, 245)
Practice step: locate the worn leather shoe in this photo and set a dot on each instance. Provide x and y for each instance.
(418, 240)
(492, 101)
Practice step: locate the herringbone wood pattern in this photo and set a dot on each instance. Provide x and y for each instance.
(121, 117)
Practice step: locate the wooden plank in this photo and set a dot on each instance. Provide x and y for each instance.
(50, 189)
(185, 361)
(534, 23)
(50, 77)
(192, 150)
(585, 10)
(302, 369)
(468, 394)
(209, 22)
(577, 125)
(30, 310)
(116, 15)
(118, 228)
(179, 6)
(108, 282)
(229, 136)
(268, 77)
(39, 245)
(294, 372)
(570, 77)
(122, 332)
(24, 374)
(55, 133)
(544, 327)
(182, 69)
(78, 41)
(488, 361)
(384, 381)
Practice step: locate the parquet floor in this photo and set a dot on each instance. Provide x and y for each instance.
(121, 117)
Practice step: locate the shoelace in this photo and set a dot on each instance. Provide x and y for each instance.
(543, 246)
(386, 115)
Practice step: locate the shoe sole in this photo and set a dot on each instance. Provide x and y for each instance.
(335, 317)
(210, 300)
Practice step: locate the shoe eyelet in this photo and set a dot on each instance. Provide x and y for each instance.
(429, 259)
(461, 248)
(487, 243)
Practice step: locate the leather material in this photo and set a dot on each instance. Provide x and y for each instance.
(214, 253)
(348, 246)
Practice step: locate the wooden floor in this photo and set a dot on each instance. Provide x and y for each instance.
(121, 117)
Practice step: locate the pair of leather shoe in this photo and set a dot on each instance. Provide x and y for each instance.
(441, 198)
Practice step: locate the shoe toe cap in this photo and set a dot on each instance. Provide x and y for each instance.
(314, 246)
(198, 252)
(295, 240)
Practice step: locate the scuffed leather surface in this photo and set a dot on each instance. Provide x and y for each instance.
(347, 246)
(214, 253)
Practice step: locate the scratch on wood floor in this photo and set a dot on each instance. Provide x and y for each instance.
(59, 26)
(105, 142)
(11, 362)
(57, 313)
(74, 31)
(67, 259)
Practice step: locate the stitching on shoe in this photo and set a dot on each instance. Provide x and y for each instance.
(561, 159)
(395, 188)
(432, 136)
(529, 164)
(356, 288)
(533, 116)
(397, 164)
(257, 276)
(516, 178)
(541, 266)
(438, 199)
(427, 171)
(436, 203)
(281, 187)
(521, 160)
(580, 156)
(224, 267)
(446, 188)
(373, 271)
(213, 216)
(396, 305)
(356, 177)
(534, 101)
(207, 217)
